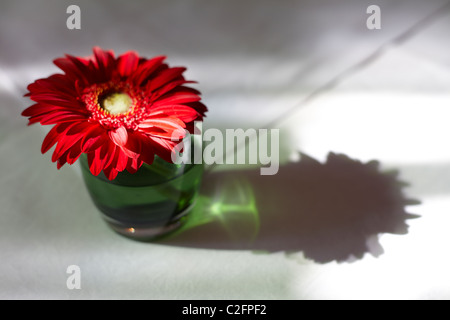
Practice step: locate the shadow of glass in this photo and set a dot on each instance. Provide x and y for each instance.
(332, 211)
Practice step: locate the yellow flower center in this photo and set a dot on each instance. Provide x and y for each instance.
(116, 103)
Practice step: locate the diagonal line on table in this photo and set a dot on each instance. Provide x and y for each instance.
(396, 41)
(371, 58)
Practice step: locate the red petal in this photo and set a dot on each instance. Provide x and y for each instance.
(110, 172)
(184, 113)
(118, 164)
(74, 153)
(95, 165)
(75, 68)
(127, 63)
(146, 69)
(167, 123)
(133, 165)
(94, 138)
(148, 153)
(198, 106)
(107, 153)
(55, 83)
(60, 117)
(163, 148)
(142, 145)
(174, 135)
(119, 136)
(52, 95)
(178, 91)
(165, 77)
(72, 135)
(168, 127)
(101, 158)
(120, 160)
(105, 62)
(52, 136)
(169, 87)
(62, 160)
(39, 109)
(73, 106)
(70, 156)
(177, 99)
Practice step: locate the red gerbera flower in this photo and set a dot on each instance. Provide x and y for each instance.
(120, 111)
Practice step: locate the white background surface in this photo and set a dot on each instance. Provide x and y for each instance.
(257, 63)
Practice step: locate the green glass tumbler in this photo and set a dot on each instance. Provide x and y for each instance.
(148, 204)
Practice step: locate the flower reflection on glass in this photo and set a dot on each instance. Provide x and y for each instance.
(120, 111)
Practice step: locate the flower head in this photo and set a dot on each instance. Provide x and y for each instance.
(120, 111)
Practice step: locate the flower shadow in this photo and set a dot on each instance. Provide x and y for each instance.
(332, 211)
